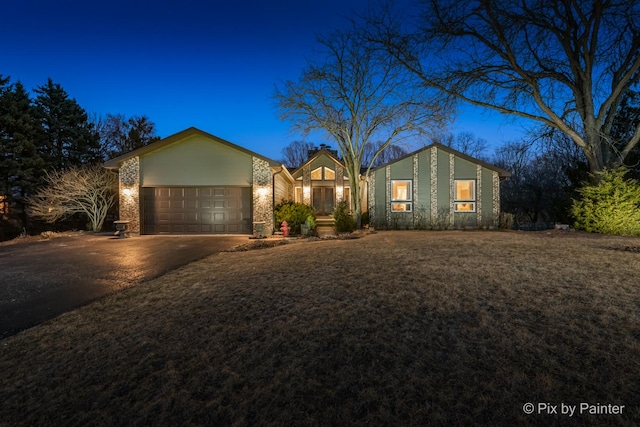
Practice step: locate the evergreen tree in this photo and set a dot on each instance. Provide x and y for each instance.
(611, 205)
(21, 167)
(67, 136)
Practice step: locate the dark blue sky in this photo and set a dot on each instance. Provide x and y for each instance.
(208, 64)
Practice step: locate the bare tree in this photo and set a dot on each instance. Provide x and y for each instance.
(465, 142)
(392, 152)
(547, 168)
(566, 64)
(354, 95)
(296, 153)
(88, 190)
(120, 135)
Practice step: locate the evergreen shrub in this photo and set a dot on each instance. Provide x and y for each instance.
(342, 218)
(294, 213)
(609, 205)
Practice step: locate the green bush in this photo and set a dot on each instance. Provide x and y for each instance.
(342, 218)
(365, 218)
(294, 213)
(610, 205)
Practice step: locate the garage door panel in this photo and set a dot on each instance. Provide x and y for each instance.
(163, 228)
(196, 210)
(235, 192)
(234, 204)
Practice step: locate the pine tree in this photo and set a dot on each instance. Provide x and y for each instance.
(21, 167)
(67, 136)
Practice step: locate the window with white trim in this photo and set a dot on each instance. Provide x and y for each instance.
(323, 173)
(464, 195)
(316, 174)
(401, 195)
(329, 174)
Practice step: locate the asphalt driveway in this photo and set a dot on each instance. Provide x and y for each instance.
(43, 279)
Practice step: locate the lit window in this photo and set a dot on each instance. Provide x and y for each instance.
(401, 196)
(465, 195)
(298, 195)
(323, 172)
(4, 206)
(329, 174)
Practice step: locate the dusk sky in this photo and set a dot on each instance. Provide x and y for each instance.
(208, 64)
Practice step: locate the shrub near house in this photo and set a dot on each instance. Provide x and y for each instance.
(609, 206)
(294, 213)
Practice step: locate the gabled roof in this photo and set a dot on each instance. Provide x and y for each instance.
(115, 162)
(321, 152)
(503, 173)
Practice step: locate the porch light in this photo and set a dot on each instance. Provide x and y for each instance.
(262, 191)
(127, 192)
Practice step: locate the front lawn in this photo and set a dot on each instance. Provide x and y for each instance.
(396, 328)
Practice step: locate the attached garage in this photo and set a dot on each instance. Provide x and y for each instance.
(196, 210)
(196, 183)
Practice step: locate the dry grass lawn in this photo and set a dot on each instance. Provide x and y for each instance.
(395, 328)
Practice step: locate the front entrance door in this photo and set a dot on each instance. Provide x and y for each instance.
(323, 200)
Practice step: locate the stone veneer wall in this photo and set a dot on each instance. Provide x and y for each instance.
(371, 200)
(262, 194)
(452, 196)
(129, 179)
(496, 199)
(479, 222)
(387, 172)
(306, 185)
(434, 185)
(416, 197)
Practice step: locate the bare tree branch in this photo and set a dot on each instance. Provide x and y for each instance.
(566, 63)
(357, 94)
(88, 190)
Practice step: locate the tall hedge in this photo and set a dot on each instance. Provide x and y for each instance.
(609, 205)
